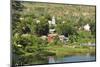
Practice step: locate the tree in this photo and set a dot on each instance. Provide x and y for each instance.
(42, 28)
(16, 9)
(66, 29)
(93, 28)
(16, 47)
(26, 46)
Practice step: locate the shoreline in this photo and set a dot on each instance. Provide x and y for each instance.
(66, 51)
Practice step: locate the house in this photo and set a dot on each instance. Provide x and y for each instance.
(51, 37)
(87, 27)
(63, 39)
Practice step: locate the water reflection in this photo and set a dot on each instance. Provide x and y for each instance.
(51, 59)
(88, 44)
(80, 58)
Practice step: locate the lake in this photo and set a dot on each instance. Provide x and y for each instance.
(71, 59)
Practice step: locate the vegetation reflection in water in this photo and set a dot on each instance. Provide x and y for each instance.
(72, 59)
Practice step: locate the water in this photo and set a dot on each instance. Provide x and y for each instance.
(71, 59)
(88, 44)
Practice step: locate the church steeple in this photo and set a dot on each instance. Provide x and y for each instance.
(53, 20)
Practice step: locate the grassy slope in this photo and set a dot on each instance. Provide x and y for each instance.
(62, 9)
(69, 50)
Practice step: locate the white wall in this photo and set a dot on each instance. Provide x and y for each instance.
(5, 33)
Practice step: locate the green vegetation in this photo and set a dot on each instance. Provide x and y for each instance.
(30, 23)
(70, 50)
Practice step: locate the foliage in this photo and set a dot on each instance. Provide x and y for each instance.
(30, 22)
(42, 28)
(26, 47)
(93, 29)
(66, 29)
(16, 9)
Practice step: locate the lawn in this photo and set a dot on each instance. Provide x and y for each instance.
(71, 50)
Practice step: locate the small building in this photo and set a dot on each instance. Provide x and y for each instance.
(53, 20)
(87, 27)
(51, 37)
(63, 39)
